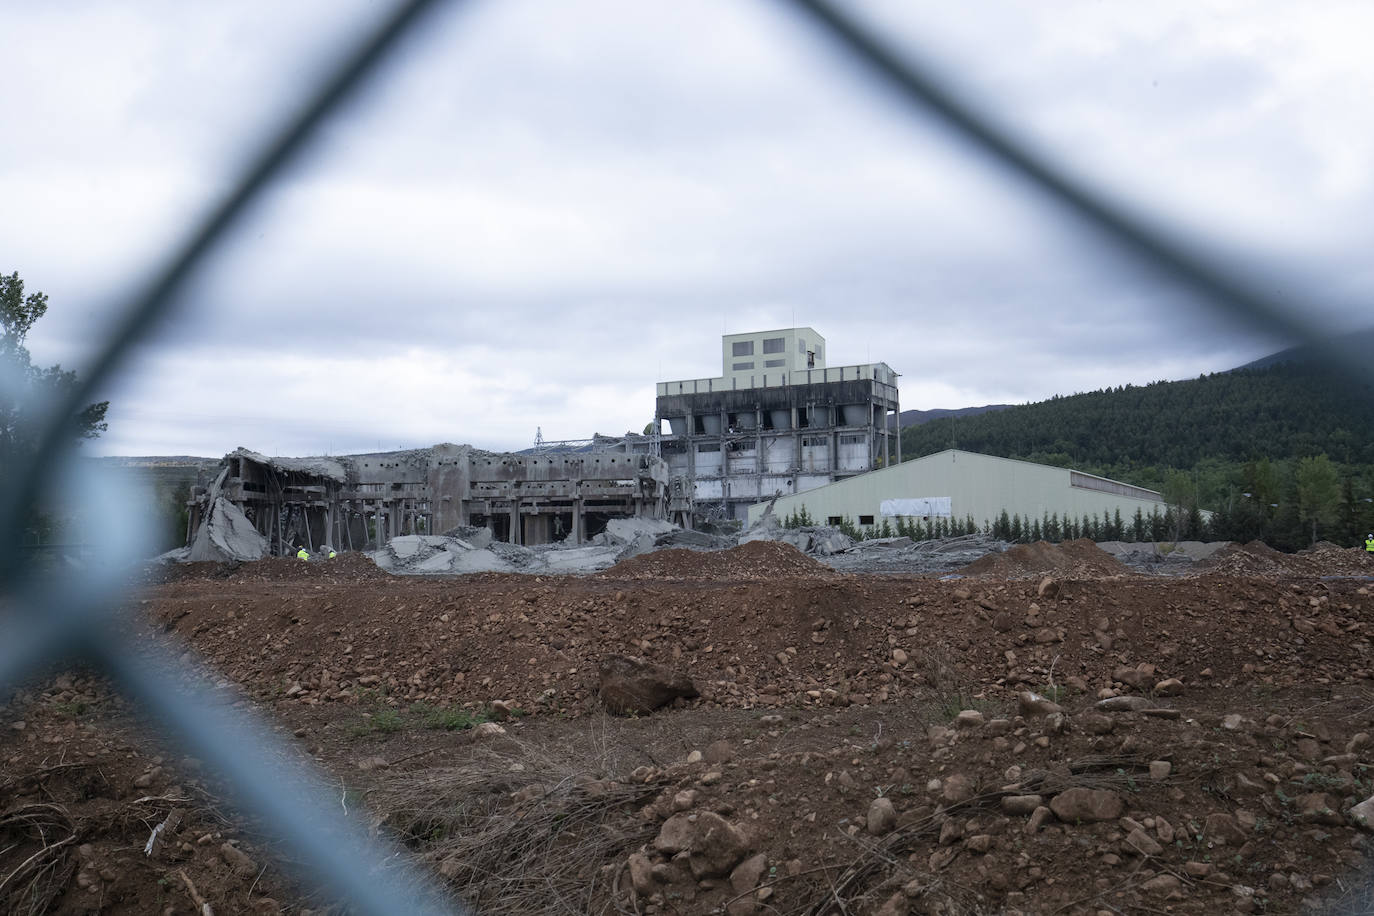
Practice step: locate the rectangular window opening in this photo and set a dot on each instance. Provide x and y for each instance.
(773, 344)
(740, 367)
(865, 519)
(742, 348)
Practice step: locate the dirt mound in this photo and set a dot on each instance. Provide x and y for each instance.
(1326, 559)
(754, 560)
(345, 567)
(1080, 559)
(746, 641)
(1259, 559)
(830, 706)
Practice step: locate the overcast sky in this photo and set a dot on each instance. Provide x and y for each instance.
(541, 208)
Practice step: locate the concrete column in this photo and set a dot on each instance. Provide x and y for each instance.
(887, 437)
(898, 411)
(577, 521)
(515, 521)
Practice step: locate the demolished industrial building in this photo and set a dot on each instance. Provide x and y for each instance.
(263, 506)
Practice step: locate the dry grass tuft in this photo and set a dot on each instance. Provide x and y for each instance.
(515, 831)
(36, 843)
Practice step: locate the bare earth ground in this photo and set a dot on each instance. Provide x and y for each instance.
(826, 697)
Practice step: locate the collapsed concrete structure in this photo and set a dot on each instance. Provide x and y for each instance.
(267, 506)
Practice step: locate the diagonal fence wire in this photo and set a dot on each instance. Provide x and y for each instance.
(64, 620)
(1224, 290)
(75, 618)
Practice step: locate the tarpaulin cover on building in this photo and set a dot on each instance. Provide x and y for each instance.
(921, 506)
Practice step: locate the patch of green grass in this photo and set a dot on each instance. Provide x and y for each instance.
(447, 718)
(1055, 693)
(1322, 781)
(385, 721)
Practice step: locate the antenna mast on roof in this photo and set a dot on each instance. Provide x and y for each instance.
(539, 437)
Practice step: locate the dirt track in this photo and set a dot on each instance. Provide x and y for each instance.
(821, 692)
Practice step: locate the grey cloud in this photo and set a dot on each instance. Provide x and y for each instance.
(539, 211)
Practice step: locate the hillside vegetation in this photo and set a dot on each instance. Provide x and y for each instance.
(1297, 438)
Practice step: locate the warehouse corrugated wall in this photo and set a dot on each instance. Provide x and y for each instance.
(981, 486)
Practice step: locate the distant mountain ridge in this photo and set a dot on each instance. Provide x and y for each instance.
(157, 461)
(918, 417)
(1290, 410)
(1304, 354)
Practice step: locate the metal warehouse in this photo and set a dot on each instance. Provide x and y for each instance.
(957, 485)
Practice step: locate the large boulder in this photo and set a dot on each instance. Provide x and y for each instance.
(1362, 815)
(1081, 805)
(713, 845)
(631, 685)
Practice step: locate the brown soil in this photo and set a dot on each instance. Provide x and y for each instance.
(820, 693)
(1079, 559)
(1259, 559)
(754, 560)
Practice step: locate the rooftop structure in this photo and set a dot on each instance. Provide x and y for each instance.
(777, 420)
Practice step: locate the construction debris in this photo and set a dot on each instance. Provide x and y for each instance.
(359, 502)
(226, 535)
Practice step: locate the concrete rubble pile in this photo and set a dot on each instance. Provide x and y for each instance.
(899, 554)
(818, 540)
(634, 536)
(226, 535)
(1162, 558)
(904, 555)
(472, 550)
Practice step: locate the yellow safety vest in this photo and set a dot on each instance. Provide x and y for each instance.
(332, 554)
(1369, 545)
(302, 554)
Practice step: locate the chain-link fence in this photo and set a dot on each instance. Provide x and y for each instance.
(59, 620)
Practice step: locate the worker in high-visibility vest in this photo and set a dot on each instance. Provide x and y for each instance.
(1369, 543)
(302, 554)
(332, 554)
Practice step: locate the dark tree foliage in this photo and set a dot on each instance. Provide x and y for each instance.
(22, 384)
(1287, 411)
(1231, 443)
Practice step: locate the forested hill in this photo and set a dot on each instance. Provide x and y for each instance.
(1287, 411)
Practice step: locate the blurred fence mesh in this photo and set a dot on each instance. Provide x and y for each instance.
(59, 620)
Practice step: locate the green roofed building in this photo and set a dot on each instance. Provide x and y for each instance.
(959, 485)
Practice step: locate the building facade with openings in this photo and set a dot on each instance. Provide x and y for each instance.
(777, 420)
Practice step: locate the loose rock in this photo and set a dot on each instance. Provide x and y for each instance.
(882, 817)
(631, 685)
(1083, 805)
